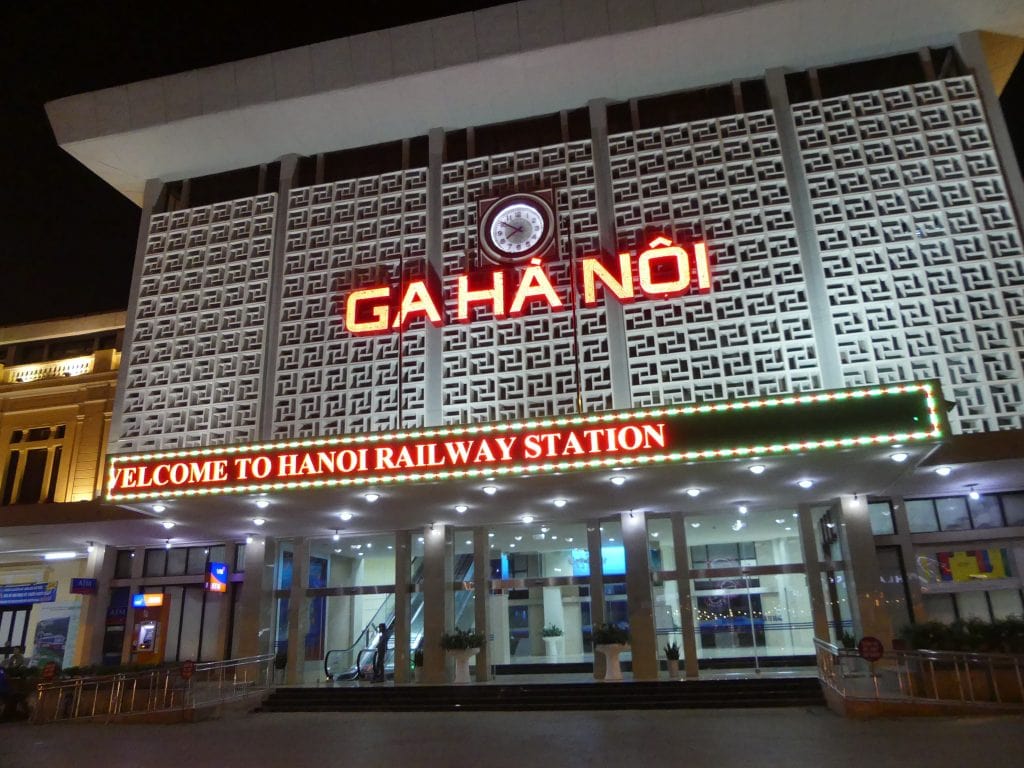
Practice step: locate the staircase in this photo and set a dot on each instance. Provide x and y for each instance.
(697, 694)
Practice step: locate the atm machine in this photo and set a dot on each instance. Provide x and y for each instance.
(149, 633)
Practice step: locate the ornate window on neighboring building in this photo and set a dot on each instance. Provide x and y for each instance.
(32, 465)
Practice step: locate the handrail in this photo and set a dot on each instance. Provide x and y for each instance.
(172, 688)
(962, 678)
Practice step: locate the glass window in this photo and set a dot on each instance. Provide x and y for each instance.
(890, 571)
(732, 540)
(123, 566)
(240, 558)
(196, 561)
(921, 516)
(156, 562)
(985, 512)
(662, 548)
(1013, 508)
(1006, 603)
(953, 514)
(973, 605)
(940, 608)
(176, 561)
(219, 554)
(881, 518)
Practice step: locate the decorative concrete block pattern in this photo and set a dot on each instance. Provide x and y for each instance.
(196, 354)
(720, 181)
(545, 362)
(342, 236)
(923, 258)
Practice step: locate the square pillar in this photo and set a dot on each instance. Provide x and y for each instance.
(812, 562)
(437, 592)
(862, 575)
(92, 623)
(643, 639)
(138, 564)
(298, 613)
(481, 547)
(254, 624)
(402, 629)
(682, 552)
(596, 588)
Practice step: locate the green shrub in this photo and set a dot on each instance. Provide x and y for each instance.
(552, 630)
(672, 652)
(462, 639)
(610, 634)
(970, 635)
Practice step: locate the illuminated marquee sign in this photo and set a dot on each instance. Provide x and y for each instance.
(794, 423)
(147, 600)
(662, 271)
(217, 577)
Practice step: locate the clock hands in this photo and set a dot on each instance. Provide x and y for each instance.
(513, 228)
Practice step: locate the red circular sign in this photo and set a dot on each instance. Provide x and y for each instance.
(870, 648)
(49, 670)
(187, 669)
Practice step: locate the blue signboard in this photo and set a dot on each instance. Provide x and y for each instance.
(19, 594)
(217, 577)
(84, 586)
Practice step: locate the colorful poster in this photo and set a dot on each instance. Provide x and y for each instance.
(964, 565)
(55, 632)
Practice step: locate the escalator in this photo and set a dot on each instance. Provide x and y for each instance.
(356, 661)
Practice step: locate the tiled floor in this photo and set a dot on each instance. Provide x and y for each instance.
(724, 738)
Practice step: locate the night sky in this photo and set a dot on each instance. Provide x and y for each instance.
(69, 239)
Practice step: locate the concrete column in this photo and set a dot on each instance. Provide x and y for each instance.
(643, 639)
(289, 166)
(437, 588)
(254, 621)
(434, 337)
(481, 547)
(402, 630)
(596, 587)
(298, 612)
(224, 620)
(812, 562)
(867, 600)
(150, 197)
(826, 348)
(912, 580)
(686, 618)
(92, 622)
(138, 564)
(973, 54)
(622, 396)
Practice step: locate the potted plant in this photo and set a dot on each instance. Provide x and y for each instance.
(462, 645)
(672, 658)
(552, 635)
(611, 640)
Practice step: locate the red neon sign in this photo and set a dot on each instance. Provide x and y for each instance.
(348, 460)
(661, 271)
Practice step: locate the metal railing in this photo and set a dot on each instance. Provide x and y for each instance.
(158, 690)
(982, 680)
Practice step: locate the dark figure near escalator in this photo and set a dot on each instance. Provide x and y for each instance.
(381, 654)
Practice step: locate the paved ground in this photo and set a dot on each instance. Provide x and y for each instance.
(758, 738)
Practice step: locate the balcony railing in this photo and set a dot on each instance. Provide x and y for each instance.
(60, 369)
(154, 691)
(935, 679)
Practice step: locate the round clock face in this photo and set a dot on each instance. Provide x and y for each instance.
(516, 228)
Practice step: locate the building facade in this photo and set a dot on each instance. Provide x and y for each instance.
(733, 358)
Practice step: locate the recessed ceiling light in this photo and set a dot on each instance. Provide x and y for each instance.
(796, 514)
(158, 508)
(569, 539)
(336, 536)
(90, 547)
(693, 492)
(611, 538)
(59, 555)
(258, 521)
(559, 502)
(788, 528)
(356, 546)
(695, 525)
(743, 509)
(361, 554)
(490, 535)
(168, 524)
(554, 537)
(974, 495)
(248, 539)
(512, 545)
(167, 544)
(490, 490)
(544, 529)
(346, 516)
(390, 547)
(738, 525)
(468, 542)
(420, 539)
(617, 479)
(756, 469)
(371, 496)
(369, 545)
(654, 535)
(899, 457)
(518, 538)
(527, 519)
(461, 508)
(805, 484)
(943, 471)
(779, 520)
(262, 503)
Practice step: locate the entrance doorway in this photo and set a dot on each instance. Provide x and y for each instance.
(13, 628)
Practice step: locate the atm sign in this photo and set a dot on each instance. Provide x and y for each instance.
(147, 601)
(217, 578)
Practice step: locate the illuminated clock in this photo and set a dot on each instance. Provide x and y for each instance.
(516, 228)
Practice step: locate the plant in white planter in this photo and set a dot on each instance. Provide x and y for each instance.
(610, 640)
(552, 635)
(672, 657)
(462, 645)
